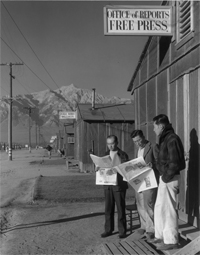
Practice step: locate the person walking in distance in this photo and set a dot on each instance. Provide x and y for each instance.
(115, 194)
(49, 149)
(146, 199)
(170, 162)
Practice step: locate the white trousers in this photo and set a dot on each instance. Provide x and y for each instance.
(145, 205)
(165, 213)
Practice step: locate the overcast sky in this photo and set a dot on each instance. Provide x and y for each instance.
(68, 39)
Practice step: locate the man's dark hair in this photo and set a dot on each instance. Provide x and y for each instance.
(114, 138)
(137, 132)
(161, 119)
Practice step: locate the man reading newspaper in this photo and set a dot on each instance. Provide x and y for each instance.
(115, 192)
(146, 199)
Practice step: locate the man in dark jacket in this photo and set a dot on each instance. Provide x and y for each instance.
(170, 162)
(146, 199)
(115, 194)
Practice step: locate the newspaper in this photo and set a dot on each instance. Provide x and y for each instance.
(138, 174)
(105, 175)
(104, 162)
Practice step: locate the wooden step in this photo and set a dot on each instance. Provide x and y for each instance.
(189, 249)
(187, 231)
(129, 248)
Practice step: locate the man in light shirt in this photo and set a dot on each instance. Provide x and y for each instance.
(146, 199)
(115, 194)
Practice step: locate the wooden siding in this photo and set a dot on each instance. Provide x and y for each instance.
(162, 93)
(174, 89)
(151, 100)
(144, 70)
(137, 79)
(193, 177)
(188, 62)
(179, 109)
(153, 57)
(142, 95)
(93, 136)
(164, 51)
(172, 96)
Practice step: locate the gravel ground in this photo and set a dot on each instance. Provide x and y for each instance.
(45, 226)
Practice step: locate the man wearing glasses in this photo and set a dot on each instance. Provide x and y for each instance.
(146, 199)
(115, 193)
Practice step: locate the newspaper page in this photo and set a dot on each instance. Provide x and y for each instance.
(138, 174)
(144, 181)
(104, 162)
(105, 175)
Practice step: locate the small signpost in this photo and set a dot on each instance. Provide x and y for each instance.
(67, 115)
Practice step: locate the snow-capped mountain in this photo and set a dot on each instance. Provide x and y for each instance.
(45, 106)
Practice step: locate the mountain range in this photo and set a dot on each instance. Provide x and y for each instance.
(44, 107)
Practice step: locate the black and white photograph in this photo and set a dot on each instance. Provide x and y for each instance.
(115, 80)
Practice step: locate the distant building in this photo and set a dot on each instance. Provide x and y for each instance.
(69, 140)
(95, 124)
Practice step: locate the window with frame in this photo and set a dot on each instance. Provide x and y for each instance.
(184, 19)
(71, 139)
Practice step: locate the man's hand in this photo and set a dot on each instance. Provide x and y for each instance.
(97, 168)
(150, 164)
(111, 171)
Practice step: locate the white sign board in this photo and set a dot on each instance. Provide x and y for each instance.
(67, 115)
(53, 138)
(138, 20)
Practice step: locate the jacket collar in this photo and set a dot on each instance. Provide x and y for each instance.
(168, 130)
(146, 149)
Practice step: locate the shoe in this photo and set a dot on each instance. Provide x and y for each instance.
(140, 231)
(138, 234)
(154, 241)
(122, 236)
(149, 235)
(165, 247)
(105, 234)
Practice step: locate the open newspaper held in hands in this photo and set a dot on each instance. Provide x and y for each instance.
(136, 172)
(105, 174)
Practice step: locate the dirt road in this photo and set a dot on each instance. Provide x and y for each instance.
(44, 228)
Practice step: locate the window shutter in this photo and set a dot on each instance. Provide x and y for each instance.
(184, 18)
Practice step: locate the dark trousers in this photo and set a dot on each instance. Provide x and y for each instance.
(112, 197)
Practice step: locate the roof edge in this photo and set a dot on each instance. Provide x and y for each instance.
(130, 86)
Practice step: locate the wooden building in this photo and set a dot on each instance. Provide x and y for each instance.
(167, 80)
(69, 140)
(95, 124)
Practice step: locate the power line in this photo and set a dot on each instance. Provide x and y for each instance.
(17, 100)
(25, 63)
(30, 46)
(23, 86)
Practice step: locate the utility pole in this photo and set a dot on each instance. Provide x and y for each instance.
(36, 134)
(59, 135)
(29, 125)
(10, 109)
